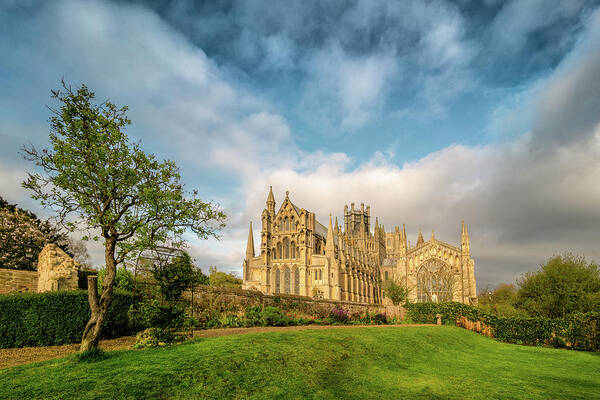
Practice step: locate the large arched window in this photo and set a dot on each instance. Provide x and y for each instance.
(293, 250)
(281, 225)
(277, 281)
(279, 253)
(286, 248)
(296, 281)
(286, 280)
(435, 281)
(287, 224)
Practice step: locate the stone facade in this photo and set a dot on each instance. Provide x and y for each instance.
(298, 255)
(56, 270)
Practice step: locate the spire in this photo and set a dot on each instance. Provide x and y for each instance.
(420, 240)
(465, 241)
(337, 227)
(271, 201)
(432, 236)
(250, 245)
(329, 244)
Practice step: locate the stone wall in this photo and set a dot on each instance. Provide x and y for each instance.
(56, 270)
(231, 299)
(12, 280)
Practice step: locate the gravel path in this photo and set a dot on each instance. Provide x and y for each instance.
(25, 355)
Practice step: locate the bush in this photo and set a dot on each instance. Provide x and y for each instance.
(253, 316)
(152, 314)
(272, 316)
(154, 337)
(54, 318)
(579, 331)
(339, 315)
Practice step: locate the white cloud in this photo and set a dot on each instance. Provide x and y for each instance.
(521, 206)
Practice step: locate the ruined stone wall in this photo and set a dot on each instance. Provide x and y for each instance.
(12, 280)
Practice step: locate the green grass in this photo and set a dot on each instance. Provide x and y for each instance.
(359, 363)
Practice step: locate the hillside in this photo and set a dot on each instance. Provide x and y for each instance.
(362, 363)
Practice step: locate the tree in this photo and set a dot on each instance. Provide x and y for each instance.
(123, 278)
(79, 252)
(93, 176)
(23, 235)
(176, 276)
(501, 301)
(564, 284)
(223, 279)
(396, 292)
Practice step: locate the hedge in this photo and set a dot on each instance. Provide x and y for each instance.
(578, 331)
(54, 318)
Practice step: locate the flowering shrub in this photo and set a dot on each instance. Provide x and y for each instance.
(339, 315)
(23, 235)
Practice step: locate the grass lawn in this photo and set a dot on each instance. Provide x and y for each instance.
(365, 363)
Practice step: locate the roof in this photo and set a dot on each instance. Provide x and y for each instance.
(320, 229)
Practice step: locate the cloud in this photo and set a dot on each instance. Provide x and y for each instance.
(522, 205)
(568, 109)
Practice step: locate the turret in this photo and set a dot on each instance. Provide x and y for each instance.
(271, 202)
(420, 240)
(465, 241)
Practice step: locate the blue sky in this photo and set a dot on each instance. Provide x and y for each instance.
(431, 112)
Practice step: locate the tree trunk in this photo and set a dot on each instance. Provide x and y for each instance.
(99, 307)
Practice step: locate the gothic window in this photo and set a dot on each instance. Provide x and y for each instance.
(286, 248)
(435, 282)
(293, 250)
(296, 281)
(279, 253)
(281, 225)
(286, 280)
(287, 224)
(291, 223)
(277, 281)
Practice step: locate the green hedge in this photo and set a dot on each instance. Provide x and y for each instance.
(579, 331)
(54, 318)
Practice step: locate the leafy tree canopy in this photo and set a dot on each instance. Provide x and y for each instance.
(396, 292)
(176, 276)
(123, 279)
(93, 177)
(223, 279)
(564, 284)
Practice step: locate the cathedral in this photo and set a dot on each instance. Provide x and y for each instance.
(299, 255)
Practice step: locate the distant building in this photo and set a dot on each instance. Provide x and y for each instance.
(299, 255)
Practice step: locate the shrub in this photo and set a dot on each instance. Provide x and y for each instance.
(339, 315)
(152, 314)
(380, 319)
(272, 316)
(154, 337)
(579, 331)
(54, 318)
(253, 316)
